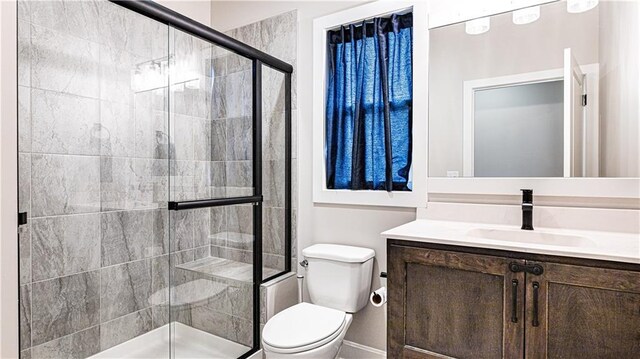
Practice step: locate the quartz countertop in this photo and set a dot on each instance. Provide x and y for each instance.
(610, 246)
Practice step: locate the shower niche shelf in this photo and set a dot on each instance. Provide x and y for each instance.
(225, 269)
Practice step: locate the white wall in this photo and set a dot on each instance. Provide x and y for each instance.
(352, 225)
(8, 178)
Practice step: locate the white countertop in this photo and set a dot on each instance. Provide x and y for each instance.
(610, 246)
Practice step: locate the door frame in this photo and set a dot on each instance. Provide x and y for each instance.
(525, 78)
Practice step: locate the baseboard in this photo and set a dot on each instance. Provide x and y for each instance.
(351, 350)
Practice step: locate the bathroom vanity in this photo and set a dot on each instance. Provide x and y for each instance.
(467, 290)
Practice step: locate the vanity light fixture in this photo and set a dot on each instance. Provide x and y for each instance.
(578, 6)
(477, 26)
(526, 15)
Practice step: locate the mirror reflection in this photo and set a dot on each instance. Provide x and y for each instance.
(545, 91)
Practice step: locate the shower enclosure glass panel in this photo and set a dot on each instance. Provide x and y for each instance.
(144, 156)
(274, 154)
(211, 124)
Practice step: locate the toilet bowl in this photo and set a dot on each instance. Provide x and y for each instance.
(305, 331)
(338, 279)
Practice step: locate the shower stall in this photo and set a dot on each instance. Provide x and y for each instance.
(154, 183)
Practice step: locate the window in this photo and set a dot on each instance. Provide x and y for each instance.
(369, 140)
(369, 105)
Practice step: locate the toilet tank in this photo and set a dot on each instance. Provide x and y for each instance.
(338, 276)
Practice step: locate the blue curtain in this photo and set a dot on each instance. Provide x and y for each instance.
(369, 101)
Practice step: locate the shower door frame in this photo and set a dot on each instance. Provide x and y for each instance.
(169, 17)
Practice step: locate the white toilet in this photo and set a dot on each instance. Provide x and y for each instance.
(338, 279)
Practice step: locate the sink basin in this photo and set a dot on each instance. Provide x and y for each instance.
(533, 237)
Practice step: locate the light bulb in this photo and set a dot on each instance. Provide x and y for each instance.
(477, 26)
(526, 15)
(578, 6)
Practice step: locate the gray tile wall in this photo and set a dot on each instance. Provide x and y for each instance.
(91, 177)
(97, 253)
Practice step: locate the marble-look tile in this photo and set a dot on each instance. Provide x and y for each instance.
(238, 94)
(137, 34)
(218, 225)
(201, 227)
(25, 354)
(273, 136)
(240, 219)
(219, 98)
(249, 34)
(124, 328)
(64, 63)
(273, 91)
(279, 35)
(116, 129)
(201, 252)
(195, 102)
(126, 236)
(272, 263)
(132, 183)
(294, 183)
(77, 345)
(24, 183)
(218, 140)
(160, 236)
(160, 315)
(24, 248)
(218, 179)
(64, 245)
(24, 10)
(273, 229)
(240, 138)
(25, 317)
(160, 279)
(182, 230)
(77, 18)
(202, 187)
(64, 305)
(125, 288)
(222, 325)
(181, 127)
(239, 174)
(116, 71)
(202, 136)
(24, 53)
(64, 124)
(24, 119)
(152, 125)
(273, 183)
(64, 184)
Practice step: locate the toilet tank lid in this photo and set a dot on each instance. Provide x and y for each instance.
(340, 253)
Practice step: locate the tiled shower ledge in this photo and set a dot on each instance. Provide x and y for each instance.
(226, 269)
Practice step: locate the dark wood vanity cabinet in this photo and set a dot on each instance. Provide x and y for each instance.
(459, 302)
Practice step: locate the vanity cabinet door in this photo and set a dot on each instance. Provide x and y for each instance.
(583, 312)
(453, 305)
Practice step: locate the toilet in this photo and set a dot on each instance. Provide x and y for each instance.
(338, 279)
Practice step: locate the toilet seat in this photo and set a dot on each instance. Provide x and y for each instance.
(301, 328)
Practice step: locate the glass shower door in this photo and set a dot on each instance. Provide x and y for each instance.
(92, 179)
(213, 202)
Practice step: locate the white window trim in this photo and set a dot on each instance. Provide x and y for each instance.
(418, 196)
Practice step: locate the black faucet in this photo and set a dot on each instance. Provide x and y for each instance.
(527, 209)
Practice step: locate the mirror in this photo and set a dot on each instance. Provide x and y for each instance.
(545, 91)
